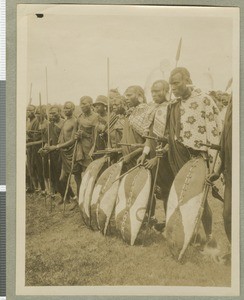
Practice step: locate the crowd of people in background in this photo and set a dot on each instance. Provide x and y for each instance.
(184, 119)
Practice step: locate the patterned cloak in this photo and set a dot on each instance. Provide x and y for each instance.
(191, 122)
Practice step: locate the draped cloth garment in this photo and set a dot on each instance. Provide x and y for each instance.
(191, 122)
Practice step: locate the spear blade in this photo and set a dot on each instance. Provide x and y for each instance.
(40, 100)
(108, 87)
(48, 142)
(178, 51)
(30, 98)
(229, 84)
(177, 57)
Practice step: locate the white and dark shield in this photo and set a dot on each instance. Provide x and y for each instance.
(104, 197)
(185, 203)
(132, 201)
(87, 185)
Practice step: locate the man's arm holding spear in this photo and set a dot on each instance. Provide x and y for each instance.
(59, 146)
(76, 135)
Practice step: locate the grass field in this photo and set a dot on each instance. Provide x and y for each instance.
(60, 250)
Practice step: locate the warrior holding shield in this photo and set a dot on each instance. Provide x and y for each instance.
(87, 122)
(164, 178)
(193, 120)
(135, 120)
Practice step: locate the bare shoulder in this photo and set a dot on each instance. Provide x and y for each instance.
(61, 122)
(70, 122)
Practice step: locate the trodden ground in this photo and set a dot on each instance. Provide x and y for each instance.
(60, 250)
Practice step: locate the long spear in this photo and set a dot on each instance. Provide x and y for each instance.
(130, 170)
(43, 170)
(108, 130)
(229, 84)
(177, 58)
(206, 189)
(30, 98)
(48, 143)
(159, 151)
(27, 163)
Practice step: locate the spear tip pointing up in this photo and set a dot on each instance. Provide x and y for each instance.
(30, 98)
(178, 51)
(108, 87)
(229, 84)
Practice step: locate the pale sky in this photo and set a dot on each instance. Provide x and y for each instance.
(74, 43)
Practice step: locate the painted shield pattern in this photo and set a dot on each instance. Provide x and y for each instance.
(88, 181)
(131, 204)
(185, 205)
(104, 197)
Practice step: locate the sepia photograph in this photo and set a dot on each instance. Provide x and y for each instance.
(127, 150)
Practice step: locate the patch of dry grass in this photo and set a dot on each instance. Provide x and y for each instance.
(60, 250)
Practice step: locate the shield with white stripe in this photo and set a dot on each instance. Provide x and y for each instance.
(185, 205)
(131, 204)
(104, 197)
(87, 185)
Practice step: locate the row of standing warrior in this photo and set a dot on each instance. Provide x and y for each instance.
(182, 122)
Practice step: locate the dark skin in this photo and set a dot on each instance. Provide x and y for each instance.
(86, 108)
(180, 90)
(69, 128)
(158, 93)
(40, 114)
(131, 98)
(179, 86)
(54, 115)
(118, 106)
(68, 131)
(30, 112)
(100, 109)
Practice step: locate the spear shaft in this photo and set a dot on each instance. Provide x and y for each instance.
(130, 170)
(48, 130)
(48, 143)
(108, 130)
(229, 84)
(178, 52)
(177, 57)
(30, 99)
(41, 116)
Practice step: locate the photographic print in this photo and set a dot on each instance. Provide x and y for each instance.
(127, 150)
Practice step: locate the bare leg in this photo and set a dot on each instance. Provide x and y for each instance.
(63, 183)
(78, 181)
